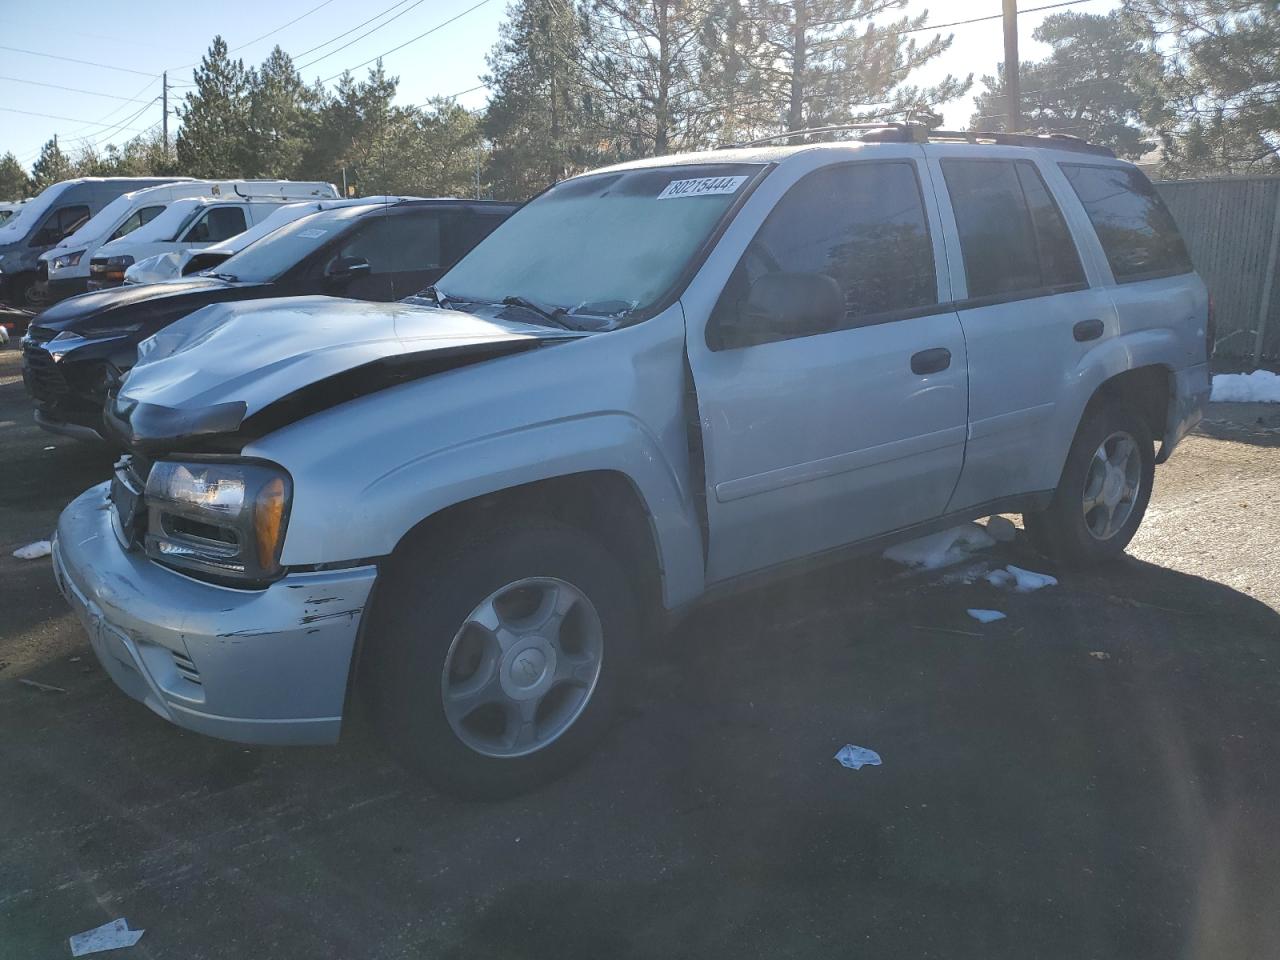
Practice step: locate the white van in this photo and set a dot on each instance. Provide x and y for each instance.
(169, 266)
(192, 223)
(66, 266)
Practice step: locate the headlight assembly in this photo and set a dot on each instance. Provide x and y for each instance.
(224, 519)
(65, 261)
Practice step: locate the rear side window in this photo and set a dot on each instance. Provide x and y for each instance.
(1135, 228)
(1013, 238)
(863, 225)
(135, 220)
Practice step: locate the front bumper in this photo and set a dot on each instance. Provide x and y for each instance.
(257, 666)
(61, 288)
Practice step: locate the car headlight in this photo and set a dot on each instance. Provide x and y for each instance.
(65, 261)
(224, 519)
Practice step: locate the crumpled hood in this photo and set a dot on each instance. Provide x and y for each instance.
(225, 363)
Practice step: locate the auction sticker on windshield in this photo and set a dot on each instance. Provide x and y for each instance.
(701, 187)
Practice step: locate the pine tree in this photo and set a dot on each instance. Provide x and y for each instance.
(14, 182)
(542, 119)
(1217, 107)
(52, 166)
(352, 130)
(645, 57)
(281, 118)
(214, 138)
(1090, 85)
(827, 62)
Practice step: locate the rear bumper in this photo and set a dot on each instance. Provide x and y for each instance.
(256, 666)
(1191, 389)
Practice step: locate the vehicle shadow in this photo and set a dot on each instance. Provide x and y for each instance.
(1090, 776)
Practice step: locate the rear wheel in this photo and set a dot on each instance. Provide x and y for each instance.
(495, 666)
(1104, 491)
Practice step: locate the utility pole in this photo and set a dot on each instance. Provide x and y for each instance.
(1013, 123)
(164, 103)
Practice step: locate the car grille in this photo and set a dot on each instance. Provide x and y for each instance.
(42, 375)
(185, 666)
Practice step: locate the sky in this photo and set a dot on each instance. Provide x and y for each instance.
(117, 88)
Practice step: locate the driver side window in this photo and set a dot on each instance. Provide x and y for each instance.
(60, 224)
(861, 225)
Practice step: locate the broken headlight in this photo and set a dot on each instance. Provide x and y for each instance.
(222, 519)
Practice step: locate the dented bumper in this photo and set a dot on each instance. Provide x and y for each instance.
(257, 666)
(1191, 389)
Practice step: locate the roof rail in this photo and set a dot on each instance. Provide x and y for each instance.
(895, 131)
(1051, 141)
(904, 131)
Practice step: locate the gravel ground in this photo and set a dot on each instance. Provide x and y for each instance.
(1093, 777)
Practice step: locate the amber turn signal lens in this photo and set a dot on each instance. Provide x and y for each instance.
(268, 521)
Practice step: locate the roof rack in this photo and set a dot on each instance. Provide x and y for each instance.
(896, 131)
(1051, 141)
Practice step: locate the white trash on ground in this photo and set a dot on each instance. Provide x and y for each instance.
(109, 936)
(1002, 529)
(941, 549)
(985, 616)
(1261, 386)
(1023, 581)
(34, 551)
(855, 758)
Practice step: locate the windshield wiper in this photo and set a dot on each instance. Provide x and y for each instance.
(551, 316)
(229, 277)
(435, 293)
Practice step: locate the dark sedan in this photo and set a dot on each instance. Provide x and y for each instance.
(75, 350)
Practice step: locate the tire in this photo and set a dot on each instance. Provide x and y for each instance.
(1076, 536)
(455, 648)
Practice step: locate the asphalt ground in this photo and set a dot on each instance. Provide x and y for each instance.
(1094, 776)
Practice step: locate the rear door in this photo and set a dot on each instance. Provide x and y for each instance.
(1029, 308)
(814, 440)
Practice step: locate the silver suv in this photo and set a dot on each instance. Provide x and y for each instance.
(653, 382)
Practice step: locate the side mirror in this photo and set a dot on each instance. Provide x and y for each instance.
(780, 306)
(343, 269)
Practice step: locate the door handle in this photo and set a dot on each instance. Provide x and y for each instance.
(931, 361)
(1087, 330)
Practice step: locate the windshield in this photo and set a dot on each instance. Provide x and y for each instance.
(611, 244)
(282, 249)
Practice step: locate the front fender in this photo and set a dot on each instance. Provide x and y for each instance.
(613, 442)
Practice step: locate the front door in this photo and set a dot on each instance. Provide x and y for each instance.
(812, 439)
(404, 253)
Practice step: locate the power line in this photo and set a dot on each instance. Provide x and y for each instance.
(269, 33)
(53, 116)
(58, 86)
(994, 16)
(87, 63)
(344, 33)
(325, 56)
(425, 33)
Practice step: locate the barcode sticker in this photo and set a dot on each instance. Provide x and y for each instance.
(701, 187)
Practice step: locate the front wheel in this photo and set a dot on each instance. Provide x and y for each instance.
(1104, 490)
(495, 666)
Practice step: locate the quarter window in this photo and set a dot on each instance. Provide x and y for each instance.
(1135, 228)
(863, 225)
(1013, 238)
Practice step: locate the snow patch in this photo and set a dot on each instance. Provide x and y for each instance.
(1023, 581)
(941, 549)
(1261, 386)
(34, 551)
